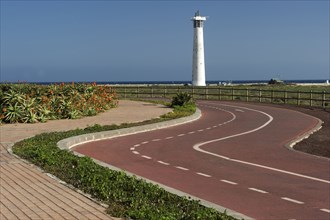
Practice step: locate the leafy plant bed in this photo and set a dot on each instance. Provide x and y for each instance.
(29, 103)
(126, 196)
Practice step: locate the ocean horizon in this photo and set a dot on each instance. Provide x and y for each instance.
(184, 82)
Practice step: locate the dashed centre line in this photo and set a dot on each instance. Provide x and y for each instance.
(182, 168)
(203, 174)
(229, 182)
(180, 135)
(145, 142)
(135, 152)
(325, 210)
(162, 162)
(258, 190)
(168, 137)
(192, 132)
(154, 140)
(147, 157)
(292, 200)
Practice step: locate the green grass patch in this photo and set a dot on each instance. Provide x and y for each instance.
(127, 197)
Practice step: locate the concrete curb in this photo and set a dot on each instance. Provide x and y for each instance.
(303, 136)
(68, 143)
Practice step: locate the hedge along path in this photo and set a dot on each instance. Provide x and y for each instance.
(26, 192)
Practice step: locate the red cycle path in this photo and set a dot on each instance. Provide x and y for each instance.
(262, 179)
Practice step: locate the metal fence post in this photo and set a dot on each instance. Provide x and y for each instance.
(285, 96)
(310, 97)
(192, 91)
(164, 91)
(298, 98)
(259, 95)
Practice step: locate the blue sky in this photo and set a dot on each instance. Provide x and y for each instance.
(152, 40)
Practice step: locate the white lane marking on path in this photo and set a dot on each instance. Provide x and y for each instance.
(169, 137)
(137, 145)
(132, 148)
(201, 130)
(147, 157)
(135, 152)
(180, 135)
(197, 147)
(145, 142)
(156, 140)
(325, 210)
(192, 132)
(162, 162)
(258, 190)
(208, 128)
(229, 182)
(182, 168)
(292, 200)
(203, 174)
(239, 110)
(281, 171)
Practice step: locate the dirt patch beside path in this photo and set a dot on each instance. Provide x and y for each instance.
(319, 142)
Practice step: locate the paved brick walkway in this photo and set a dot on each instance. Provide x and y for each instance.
(26, 192)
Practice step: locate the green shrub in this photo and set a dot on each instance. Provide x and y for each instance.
(181, 99)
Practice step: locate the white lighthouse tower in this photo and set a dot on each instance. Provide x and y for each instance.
(198, 67)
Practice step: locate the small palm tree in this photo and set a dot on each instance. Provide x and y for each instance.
(181, 99)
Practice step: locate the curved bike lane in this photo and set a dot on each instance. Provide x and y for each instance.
(234, 156)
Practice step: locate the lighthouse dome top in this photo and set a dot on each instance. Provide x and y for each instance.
(198, 17)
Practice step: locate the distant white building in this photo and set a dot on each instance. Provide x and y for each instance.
(198, 66)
